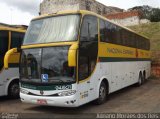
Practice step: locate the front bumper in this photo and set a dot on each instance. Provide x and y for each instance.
(65, 101)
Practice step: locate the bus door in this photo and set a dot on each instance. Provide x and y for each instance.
(88, 50)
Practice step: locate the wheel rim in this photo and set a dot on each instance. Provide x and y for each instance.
(102, 93)
(15, 89)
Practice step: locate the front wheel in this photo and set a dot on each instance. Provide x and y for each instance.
(102, 94)
(13, 90)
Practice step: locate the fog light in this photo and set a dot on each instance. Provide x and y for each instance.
(24, 91)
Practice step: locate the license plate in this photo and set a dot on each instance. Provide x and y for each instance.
(42, 102)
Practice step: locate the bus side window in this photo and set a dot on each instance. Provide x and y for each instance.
(4, 36)
(110, 32)
(89, 29)
(88, 48)
(16, 39)
(83, 68)
(113, 33)
(103, 33)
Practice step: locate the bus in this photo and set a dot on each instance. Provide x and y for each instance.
(10, 38)
(71, 58)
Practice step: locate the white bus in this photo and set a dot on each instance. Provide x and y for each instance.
(71, 58)
(10, 38)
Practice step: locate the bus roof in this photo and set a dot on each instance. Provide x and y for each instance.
(85, 12)
(12, 29)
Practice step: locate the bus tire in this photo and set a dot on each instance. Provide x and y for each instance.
(13, 90)
(102, 94)
(140, 80)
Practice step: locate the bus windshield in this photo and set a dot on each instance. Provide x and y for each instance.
(46, 65)
(53, 29)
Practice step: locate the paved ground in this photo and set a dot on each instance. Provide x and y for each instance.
(133, 99)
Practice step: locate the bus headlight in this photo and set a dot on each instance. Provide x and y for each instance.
(67, 93)
(24, 91)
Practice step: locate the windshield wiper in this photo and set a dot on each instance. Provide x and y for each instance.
(61, 80)
(68, 79)
(56, 79)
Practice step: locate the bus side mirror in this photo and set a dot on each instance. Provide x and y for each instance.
(7, 55)
(72, 55)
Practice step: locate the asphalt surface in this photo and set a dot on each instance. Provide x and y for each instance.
(144, 99)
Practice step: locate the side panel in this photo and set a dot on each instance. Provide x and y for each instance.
(118, 74)
(125, 64)
(127, 73)
(7, 76)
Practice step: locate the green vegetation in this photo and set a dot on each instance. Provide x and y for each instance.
(155, 15)
(152, 31)
(148, 12)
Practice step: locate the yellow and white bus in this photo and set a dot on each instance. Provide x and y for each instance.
(71, 58)
(10, 38)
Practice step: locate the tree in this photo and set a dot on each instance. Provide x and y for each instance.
(155, 15)
(148, 12)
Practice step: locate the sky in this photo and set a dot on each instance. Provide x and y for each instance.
(22, 11)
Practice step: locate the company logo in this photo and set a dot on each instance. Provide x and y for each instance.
(44, 77)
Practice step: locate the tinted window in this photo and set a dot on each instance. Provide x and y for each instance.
(52, 61)
(88, 47)
(124, 37)
(148, 44)
(103, 32)
(132, 40)
(55, 64)
(112, 33)
(16, 39)
(31, 65)
(143, 43)
(110, 29)
(89, 30)
(3, 42)
(83, 68)
(117, 35)
(53, 29)
(3, 46)
(128, 38)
